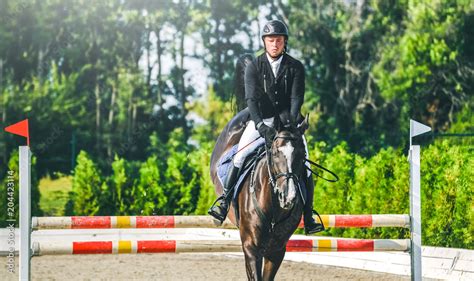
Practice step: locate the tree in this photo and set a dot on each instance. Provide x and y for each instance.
(86, 187)
(428, 69)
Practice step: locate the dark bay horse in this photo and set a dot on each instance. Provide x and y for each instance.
(270, 204)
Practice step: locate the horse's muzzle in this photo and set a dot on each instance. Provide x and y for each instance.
(286, 192)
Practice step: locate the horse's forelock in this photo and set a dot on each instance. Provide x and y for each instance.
(290, 133)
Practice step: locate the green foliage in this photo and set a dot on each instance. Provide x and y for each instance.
(120, 187)
(342, 163)
(87, 187)
(168, 187)
(109, 74)
(464, 119)
(201, 160)
(427, 68)
(380, 185)
(148, 195)
(447, 195)
(215, 114)
(182, 180)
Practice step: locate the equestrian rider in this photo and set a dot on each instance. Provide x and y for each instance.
(274, 83)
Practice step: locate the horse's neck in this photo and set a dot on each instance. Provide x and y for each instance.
(263, 179)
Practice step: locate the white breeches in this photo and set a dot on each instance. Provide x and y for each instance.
(251, 139)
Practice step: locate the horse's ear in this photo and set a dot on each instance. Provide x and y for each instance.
(304, 125)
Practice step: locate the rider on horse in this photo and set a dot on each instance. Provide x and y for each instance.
(274, 83)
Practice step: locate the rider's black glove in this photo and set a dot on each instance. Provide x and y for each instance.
(266, 132)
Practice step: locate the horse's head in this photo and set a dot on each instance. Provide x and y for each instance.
(286, 159)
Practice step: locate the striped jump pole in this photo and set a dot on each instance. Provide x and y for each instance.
(104, 222)
(206, 246)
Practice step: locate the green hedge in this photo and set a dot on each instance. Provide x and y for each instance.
(380, 185)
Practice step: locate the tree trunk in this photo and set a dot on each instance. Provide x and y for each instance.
(97, 117)
(159, 52)
(39, 69)
(181, 84)
(148, 63)
(134, 125)
(219, 71)
(129, 118)
(111, 120)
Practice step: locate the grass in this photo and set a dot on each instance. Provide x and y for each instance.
(54, 195)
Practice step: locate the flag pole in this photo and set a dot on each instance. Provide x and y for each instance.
(22, 128)
(416, 128)
(25, 213)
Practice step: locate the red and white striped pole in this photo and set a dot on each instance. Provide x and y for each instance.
(193, 246)
(103, 222)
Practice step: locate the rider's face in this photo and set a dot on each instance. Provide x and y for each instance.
(274, 45)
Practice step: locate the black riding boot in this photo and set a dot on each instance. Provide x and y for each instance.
(310, 225)
(220, 211)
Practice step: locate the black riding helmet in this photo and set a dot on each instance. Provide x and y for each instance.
(275, 27)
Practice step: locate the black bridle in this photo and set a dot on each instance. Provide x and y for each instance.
(273, 181)
(287, 175)
(263, 217)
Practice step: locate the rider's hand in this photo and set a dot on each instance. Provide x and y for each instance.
(268, 133)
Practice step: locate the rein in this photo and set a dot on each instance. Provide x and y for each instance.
(336, 178)
(232, 156)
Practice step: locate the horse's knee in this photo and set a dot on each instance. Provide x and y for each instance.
(248, 247)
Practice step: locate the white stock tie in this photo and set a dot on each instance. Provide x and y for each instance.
(274, 68)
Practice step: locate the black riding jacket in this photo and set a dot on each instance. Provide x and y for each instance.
(267, 95)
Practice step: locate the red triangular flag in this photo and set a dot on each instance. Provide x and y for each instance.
(20, 128)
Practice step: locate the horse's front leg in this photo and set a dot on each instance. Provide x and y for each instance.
(272, 264)
(253, 262)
